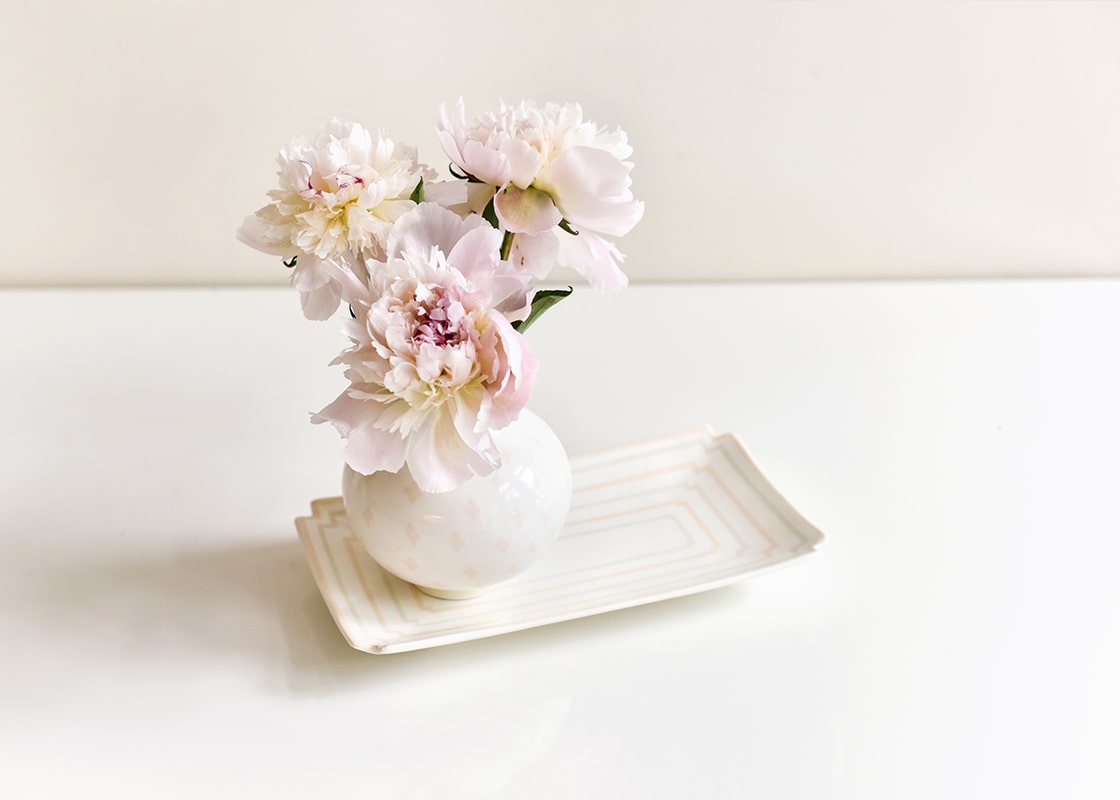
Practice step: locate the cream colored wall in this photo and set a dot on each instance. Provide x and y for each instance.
(773, 140)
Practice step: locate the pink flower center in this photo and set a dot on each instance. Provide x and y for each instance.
(338, 181)
(441, 319)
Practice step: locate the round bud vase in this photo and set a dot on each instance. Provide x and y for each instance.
(454, 545)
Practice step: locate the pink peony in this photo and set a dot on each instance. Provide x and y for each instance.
(435, 364)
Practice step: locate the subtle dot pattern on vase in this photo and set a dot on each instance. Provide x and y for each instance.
(479, 534)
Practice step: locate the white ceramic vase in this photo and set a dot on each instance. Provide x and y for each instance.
(457, 544)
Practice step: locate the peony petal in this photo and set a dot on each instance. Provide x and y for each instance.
(368, 448)
(595, 259)
(392, 210)
(472, 423)
(320, 303)
(260, 235)
(511, 295)
(448, 126)
(488, 166)
(344, 412)
(439, 459)
(479, 196)
(351, 287)
(450, 146)
(449, 194)
(592, 189)
(524, 162)
(521, 374)
(536, 254)
(311, 272)
(526, 210)
(476, 254)
(426, 226)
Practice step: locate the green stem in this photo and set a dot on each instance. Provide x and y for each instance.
(507, 244)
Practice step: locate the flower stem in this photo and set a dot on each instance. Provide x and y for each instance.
(507, 244)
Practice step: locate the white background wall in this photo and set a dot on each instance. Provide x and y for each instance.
(773, 140)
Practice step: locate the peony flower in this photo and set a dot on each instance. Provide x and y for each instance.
(435, 364)
(340, 193)
(550, 168)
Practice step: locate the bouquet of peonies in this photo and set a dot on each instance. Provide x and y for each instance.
(440, 276)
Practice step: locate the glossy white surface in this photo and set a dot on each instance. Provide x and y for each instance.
(489, 529)
(958, 635)
(653, 520)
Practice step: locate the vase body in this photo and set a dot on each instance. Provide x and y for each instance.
(457, 544)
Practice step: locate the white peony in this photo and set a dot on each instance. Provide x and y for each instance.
(340, 192)
(548, 166)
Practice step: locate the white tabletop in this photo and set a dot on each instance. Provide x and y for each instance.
(957, 636)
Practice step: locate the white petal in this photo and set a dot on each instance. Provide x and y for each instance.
(594, 259)
(489, 166)
(592, 189)
(450, 129)
(450, 146)
(370, 449)
(352, 287)
(511, 295)
(476, 254)
(311, 272)
(439, 459)
(537, 254)
(448, 194)
(259, 235)
(526, 210)
(524, 162)
(321, 303)
(426, 226)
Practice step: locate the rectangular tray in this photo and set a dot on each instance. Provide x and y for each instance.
(649, 521)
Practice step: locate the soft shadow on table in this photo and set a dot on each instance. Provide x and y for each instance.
(255, 608)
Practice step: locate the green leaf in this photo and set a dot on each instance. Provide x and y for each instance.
(542, 302)
(490, 215)
(417, 195)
